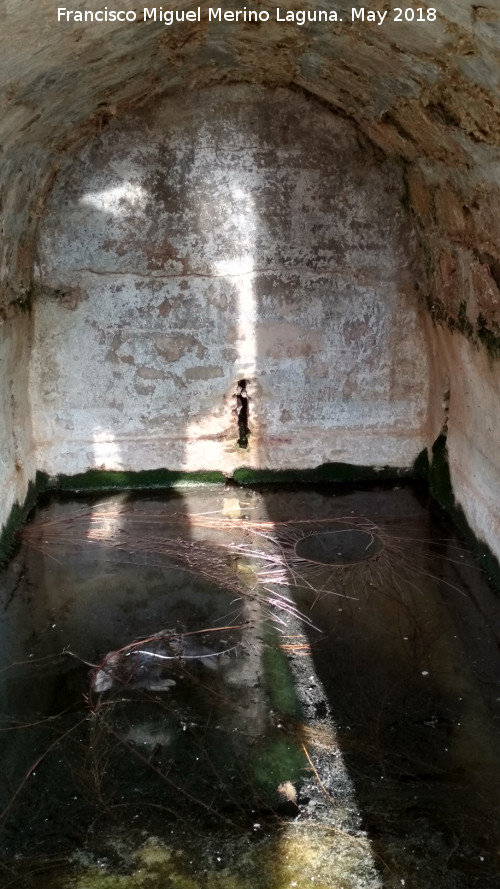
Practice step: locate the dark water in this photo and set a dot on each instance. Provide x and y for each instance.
(222, 687)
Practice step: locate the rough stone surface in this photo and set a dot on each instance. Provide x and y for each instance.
(424, 91)
(191, 248)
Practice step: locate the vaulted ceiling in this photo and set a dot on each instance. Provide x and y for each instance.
(426, 92)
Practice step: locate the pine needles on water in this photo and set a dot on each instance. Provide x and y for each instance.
(196, 749)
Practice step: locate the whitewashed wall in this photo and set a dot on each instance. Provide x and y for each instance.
(470, 381)
(242, 233)
(16, 445)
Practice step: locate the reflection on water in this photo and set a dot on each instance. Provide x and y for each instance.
(237, 688)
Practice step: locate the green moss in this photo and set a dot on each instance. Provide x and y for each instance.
(149, 479)
(279, 761)
(439, 475)
(421, 466)
(102, 481)
(95, 480)
(16, 518)
(487, 560)
(324, 474)
(279, 682)
(485, 557)
(442, 491)
(279, 758)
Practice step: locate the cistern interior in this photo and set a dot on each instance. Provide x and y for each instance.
(256, 250)
(312, 209)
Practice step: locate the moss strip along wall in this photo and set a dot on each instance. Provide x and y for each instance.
(437, 473)
(107, 482)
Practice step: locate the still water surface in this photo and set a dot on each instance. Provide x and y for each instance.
(224, 688)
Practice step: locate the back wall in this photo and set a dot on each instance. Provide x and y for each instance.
(238, 233)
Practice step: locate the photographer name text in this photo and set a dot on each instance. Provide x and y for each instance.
(305, 16)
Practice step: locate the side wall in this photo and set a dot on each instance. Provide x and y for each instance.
(457, 217)
(465, 399)
(16, 446)
(243, 234)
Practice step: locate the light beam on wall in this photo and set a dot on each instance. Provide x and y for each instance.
(244, 224)
(241, 270)
(106, 451)
(118, 201)
(236, 263)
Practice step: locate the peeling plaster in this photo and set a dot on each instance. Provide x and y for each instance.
(293, 270)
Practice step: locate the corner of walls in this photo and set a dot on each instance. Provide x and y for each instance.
(17, 463)
(464, 436)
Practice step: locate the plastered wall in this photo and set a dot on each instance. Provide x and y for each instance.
(16, 442)
(240, 233)
(464, 400)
